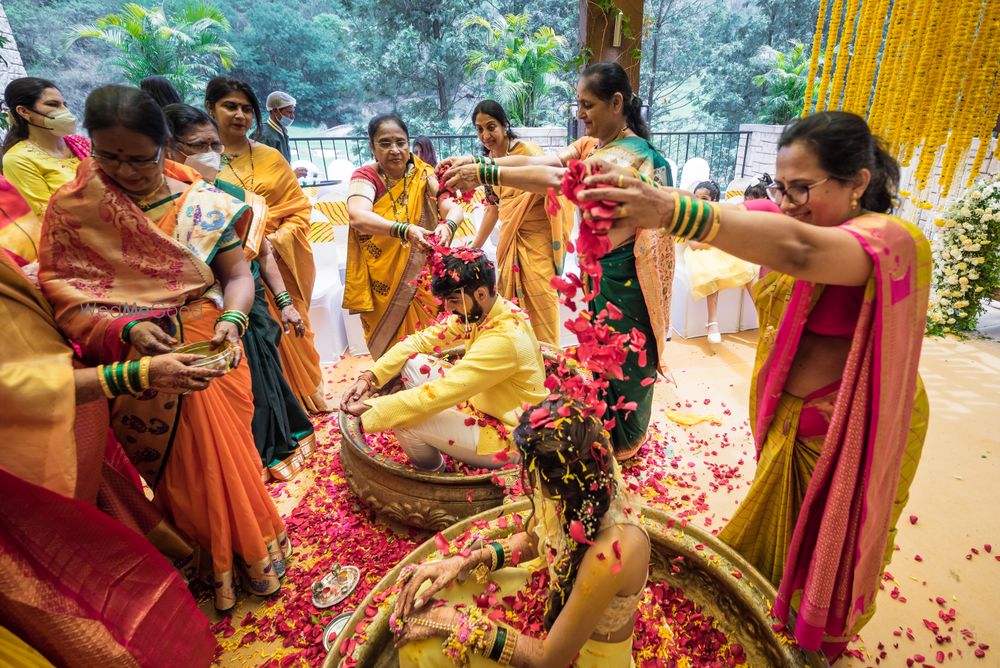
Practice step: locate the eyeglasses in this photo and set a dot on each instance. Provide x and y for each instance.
(386, 145)
(797, 195)
(202, 146)
(138, 163)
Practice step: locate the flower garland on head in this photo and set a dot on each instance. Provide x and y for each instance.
(966, 259)
(567, 453)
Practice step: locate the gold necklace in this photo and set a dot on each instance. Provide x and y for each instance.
(41, 148)
(143, 201)
(402, 200)
(228, 162)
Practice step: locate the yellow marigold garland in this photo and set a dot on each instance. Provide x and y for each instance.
(936, 88)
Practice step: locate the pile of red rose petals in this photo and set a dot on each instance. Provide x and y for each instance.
(444, 192)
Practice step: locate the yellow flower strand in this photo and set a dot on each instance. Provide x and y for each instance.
(847, 37)
(824, 83)
(814, 58)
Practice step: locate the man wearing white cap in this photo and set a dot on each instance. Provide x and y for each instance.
(282, 113)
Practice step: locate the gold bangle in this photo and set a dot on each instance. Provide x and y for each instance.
(509, 646)
(144, 372)
(121, 376)
(507, 553)
(104, 382)
(714, 225)
(677, 212)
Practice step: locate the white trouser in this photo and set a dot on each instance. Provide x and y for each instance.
(444, 432)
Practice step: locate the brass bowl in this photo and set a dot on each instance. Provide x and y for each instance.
(219, 358)
(740, 605)
(432, 501)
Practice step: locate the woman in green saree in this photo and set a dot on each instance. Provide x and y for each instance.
(281, 429)
(638, 272)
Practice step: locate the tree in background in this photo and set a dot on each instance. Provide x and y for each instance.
(521, 67)
(784, 83)
(186, 46)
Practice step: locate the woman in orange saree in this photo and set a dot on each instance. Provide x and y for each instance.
(396, 216)
(135, 260)
(122, 601)
(257, 168)
(532, 243)
(838, 410)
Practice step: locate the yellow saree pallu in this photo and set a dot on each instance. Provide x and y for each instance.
(382, 272)
(530, 252)
(102, 257)
(264, 171)
(820, 516)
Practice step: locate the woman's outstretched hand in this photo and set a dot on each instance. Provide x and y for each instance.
(639, 204)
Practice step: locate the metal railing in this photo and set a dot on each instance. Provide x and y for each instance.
(720, 149)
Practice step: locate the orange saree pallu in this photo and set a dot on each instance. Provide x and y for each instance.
(81, 588)
(195, 451)
(835, 468)
(382, 272)
(266, 172)
(19, 226)
(530, 253)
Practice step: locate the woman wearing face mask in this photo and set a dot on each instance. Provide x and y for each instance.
(137, 256)
(257, 168)
(532, 244)
(838, 410)
(639, 270)
(281, 429)
(40, 153)
(396, 216)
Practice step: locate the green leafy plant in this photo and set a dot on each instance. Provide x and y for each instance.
(784, 83)
(186, 45)
(966, 259)
(521, 67)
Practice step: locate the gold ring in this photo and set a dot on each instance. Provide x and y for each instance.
(621, 180)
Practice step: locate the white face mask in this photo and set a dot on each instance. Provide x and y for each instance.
(61, 123)
(286, 122)
(207, 164)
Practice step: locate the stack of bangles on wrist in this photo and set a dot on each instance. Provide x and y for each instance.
(120, 378)
(399, 230)
(488, 174)
(237, 318)
(476, 634)
(283, 299)
(499, 555)
(452, 225)
(694, 219)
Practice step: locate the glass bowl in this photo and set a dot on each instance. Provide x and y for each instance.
(219, 358)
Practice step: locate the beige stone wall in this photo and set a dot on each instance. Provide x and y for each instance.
(11, 67)
(764, 148)
(550, 138)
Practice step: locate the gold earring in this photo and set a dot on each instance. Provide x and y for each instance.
(854, 202)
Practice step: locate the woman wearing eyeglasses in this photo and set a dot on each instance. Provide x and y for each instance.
(396, 218)
(838, 410)
(40, 153)
(261, 169)
(139, 255)
(281, 429)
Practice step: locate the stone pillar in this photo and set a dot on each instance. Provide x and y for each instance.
(11, 68)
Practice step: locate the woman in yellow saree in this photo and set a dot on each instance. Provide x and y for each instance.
(585, 529)
(396, 218)
(257, 168)
(532, 243)
(139, 254)
(638, 272)
(838, 410)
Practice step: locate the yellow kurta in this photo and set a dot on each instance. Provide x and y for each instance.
(36, 174)
(530, 252)
(502, 370)
(264, 171)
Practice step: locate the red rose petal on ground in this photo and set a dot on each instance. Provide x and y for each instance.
(913, 519)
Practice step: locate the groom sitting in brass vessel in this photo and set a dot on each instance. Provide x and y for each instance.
(466, 410)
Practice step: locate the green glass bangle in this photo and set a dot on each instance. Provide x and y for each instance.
(126, 329)
(120, 381)
(134, 379)
(109, 378)
(498, 642)
(498, 549)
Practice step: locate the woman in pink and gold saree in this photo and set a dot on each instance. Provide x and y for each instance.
(138, 255)
(838, 410)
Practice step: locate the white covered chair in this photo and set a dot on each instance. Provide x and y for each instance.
(325, 312)
(674, 174)
(339, 172)
(694, 172)
(688, 316)
(734, 191)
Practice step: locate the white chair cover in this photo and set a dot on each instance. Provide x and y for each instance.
(694, 172)
(325, 312)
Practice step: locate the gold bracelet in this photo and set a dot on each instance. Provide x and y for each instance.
(144, 372)
(430, 624)
(509, 646)
(714, 225)
(677, 212)
(104, 382)
(507, 553)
